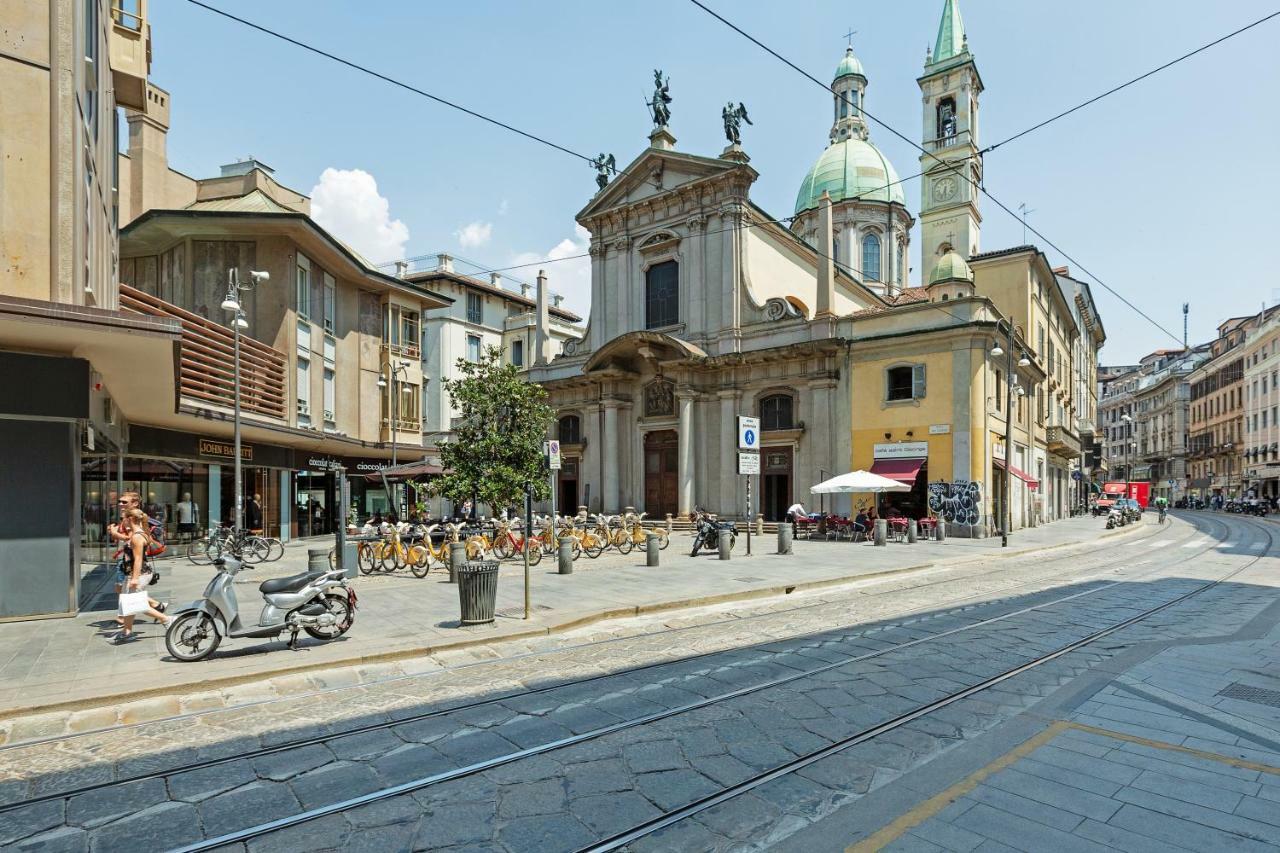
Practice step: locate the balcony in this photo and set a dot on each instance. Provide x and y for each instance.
(206, 374)
(942, 143)
(1062, 441)
(130, 48)
(410, 351)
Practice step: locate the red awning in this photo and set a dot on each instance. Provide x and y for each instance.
(1021, 475)
(902, 470)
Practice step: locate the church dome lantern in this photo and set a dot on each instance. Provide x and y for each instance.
(950, 278)
(849, 66)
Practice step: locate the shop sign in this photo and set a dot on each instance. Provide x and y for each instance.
(371, 467)
(315, 464)
(223, 449)
(748, 462)
(901, 450)
(997, 449)
(939, 429)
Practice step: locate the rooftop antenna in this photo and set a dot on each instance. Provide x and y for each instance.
(1186, 308)
(1025, 210)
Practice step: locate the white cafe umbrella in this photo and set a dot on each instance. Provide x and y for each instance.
(858, 481)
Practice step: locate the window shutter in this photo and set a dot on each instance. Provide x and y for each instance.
(917, 382)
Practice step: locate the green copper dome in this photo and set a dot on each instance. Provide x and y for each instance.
(950, 267)
(848, 65)
(850, 168)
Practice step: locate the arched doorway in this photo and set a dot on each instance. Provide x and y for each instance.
(661, 475)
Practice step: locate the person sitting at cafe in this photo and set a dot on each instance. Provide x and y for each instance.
(862, 522)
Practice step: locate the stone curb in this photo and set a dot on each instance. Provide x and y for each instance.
(575, 622)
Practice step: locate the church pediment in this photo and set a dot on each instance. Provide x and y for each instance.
(657, 172)
(628, 352)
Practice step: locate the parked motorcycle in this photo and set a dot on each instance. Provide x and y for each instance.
(1116, 518)
(320, 603)
(708, 533)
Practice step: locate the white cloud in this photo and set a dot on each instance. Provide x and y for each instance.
(474, 234)
(567, 274)
(503, 207)
(347, 204)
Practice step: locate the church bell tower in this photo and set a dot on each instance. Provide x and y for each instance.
(950, 85)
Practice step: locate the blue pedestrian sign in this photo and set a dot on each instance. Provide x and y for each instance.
(748, 433)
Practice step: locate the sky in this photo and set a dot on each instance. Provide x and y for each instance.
(397, 175)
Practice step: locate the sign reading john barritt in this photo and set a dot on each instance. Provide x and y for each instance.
(223, 449)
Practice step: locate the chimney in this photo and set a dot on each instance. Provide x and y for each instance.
(556, 299)
(524, 289)
(495, 279)
(825, 306)
(444, 263)
(542, 338)
(148, 159)
(402, 269)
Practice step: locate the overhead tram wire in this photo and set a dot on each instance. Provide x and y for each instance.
(394, 82)
(1129, 83)
(978, 186)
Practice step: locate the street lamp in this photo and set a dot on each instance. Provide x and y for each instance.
(1128, 461)
(1012, 388)
(395, 370)
(231, 304)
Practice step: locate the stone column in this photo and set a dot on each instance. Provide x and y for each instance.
(684, 400)
(610, 461)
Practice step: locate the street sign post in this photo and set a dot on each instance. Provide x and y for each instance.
(552, 449)
(748, 460)
(748, 433)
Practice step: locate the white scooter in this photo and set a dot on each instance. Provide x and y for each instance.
(320, 603)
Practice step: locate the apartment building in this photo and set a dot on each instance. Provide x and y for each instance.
(1261, 449)
(1116, 385)
(1217, 415)
(1084, 375)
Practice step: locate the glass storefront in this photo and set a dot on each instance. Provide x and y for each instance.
(315, 499)
(172, 492)
(99, 488)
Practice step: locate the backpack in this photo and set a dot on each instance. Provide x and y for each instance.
(156, 529)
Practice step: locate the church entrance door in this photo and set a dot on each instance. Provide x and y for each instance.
(568, 495)
(661, 453)
(775, 473)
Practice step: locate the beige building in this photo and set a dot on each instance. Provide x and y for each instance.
(1217, 416)
(1261, 451)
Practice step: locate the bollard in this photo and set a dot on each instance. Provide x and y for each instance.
(723, 542)
(913, 531)
(759, 524)
(457, 556)
(566, 556)
(940, 531)
(317, 559)
(350, 558)
(786, 532)
(651, 549)
(882, 531)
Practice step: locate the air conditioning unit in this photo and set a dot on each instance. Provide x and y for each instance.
(328, 415)
(304, 407)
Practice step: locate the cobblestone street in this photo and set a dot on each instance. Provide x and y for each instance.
(960, 709)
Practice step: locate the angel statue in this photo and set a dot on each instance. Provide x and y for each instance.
(733, 119)
(605, 165)
(661, 98)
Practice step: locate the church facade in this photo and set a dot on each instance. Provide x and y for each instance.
(705, 308)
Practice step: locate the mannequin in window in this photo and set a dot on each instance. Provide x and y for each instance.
(188, 515)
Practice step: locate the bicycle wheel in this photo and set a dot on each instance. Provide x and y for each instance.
(502, 547)
(254, 549)
(419, 561)
(622, 542)
(535, 553)
(367, 558)
(275, 550)
(196, 552)
(392, 557)
(592, 545)
(664, 539)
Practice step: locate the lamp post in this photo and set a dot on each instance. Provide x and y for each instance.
(1006, 514)
(394, 370)
(1128, 452)
(232, 305)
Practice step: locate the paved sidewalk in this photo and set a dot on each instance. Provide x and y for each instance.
(71, 663)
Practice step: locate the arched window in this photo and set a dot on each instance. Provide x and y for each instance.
(946, 118)
(871, 258)
(662, 291)
(777, 412)
(570, 430)
(899, 266)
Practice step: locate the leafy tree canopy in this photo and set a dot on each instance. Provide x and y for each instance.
(496, 448)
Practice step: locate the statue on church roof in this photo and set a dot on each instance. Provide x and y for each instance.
(733, 119)
(661, 98)
(604, 166)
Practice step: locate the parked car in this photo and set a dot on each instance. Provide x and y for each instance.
(1131, 508)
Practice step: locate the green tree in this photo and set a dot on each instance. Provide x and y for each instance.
(497, 441)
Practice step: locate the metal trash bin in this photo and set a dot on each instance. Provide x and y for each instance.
(478, 591)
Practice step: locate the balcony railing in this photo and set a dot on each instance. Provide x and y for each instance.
(944, 142)
(206, 373)
(1062, 441)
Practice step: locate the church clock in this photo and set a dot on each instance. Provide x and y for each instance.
(944, 189)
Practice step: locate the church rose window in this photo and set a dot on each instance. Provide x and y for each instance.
(662, 289)
(871, 258)
(776, 412)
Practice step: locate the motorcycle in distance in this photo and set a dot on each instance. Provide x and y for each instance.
(1116, 518)
(708, 532)
(320, 603)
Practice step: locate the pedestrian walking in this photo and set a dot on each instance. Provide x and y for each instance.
(131, 574)
(122, 532)
(253, 514)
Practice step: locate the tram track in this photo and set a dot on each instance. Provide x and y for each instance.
(389, 792)
(891, 578)
(829, 638)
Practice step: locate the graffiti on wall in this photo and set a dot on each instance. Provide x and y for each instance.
(958, 502)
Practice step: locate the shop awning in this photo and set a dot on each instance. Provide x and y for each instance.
(902, 470)
(1021, 475)
(1201, 482)
(409, 469)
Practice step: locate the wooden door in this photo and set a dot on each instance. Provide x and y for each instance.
(776, 474)
(661, 473)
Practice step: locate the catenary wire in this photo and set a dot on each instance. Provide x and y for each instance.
(393, 81)
(1129, 83)
(978, 186)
